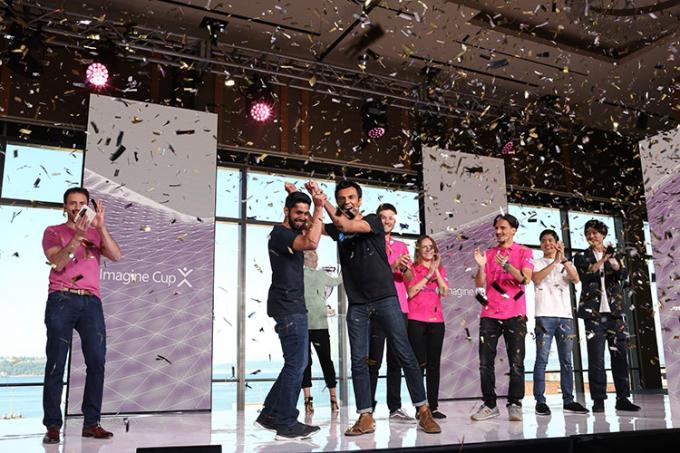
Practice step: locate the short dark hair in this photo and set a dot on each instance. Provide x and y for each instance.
(596, 225)
(80, 190)
(511, 219)
(385, 207)
(344, 184)
(297, 197)
(552, 233)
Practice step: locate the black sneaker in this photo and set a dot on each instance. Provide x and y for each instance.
(575, 408)
(598, 406)
(298, 431)
(624, 404)
(266, 422)
(438, 415)
(542, 409)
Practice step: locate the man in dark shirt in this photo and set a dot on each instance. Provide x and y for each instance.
(286, 304)
(602, 275)
(368, 281)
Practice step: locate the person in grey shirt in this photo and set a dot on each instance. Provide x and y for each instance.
(316, 283)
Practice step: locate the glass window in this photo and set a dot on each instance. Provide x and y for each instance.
(533, 220)
(648, 238)
(24, 280)
(577, 221)
(407, 204)
(266, 194)
(39, 173)
(225, 301)
(228, 192)
(266, 197)
(263, 353)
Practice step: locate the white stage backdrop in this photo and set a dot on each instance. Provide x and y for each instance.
(464, 193)
(154, 168)
(661, 173)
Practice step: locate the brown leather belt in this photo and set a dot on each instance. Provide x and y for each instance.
(80, 292)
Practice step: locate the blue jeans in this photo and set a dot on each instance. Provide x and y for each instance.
(387, 313)
(562, 329)
(63, 313)
(281, 401)
(603, 331)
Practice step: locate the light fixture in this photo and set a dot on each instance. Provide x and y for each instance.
(215, 27)
(97, 74)
(374, 118)
(259, 101)
(99, 71)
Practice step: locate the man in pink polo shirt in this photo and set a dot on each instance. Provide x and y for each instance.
(74, 250)
(503, 271)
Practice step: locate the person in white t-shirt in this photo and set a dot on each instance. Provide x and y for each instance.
(552, 275)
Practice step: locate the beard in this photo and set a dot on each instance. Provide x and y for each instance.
(293, 225)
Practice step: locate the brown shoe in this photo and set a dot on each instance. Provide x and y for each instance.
(426, 422)
(365, 425)
(97, 432)
(52, 435)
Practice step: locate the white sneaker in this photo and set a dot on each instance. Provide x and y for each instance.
(515, 413)
(485, 412)
(399, 416)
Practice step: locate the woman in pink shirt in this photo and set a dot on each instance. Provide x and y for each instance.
(425, 320)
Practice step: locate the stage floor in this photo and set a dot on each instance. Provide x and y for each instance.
(236, 432)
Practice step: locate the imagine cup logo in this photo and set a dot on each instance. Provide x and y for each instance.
(132, 277)
(184, 272)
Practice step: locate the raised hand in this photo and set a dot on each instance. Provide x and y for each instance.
(559, 255)
(501, 260)
(81, 227)
(98, 221)
(480, 257)
(290, 187)
(403, 261)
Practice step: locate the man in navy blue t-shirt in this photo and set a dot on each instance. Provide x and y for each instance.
(286, 304)
(371, 294)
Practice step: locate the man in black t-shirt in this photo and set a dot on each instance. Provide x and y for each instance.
(368, 281)
(286, 304)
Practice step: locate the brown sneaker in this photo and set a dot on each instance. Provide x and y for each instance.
(51, 436)
(365, 425)
(426, 422)
(97, 432)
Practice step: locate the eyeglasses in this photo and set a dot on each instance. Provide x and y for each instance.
(427, 247)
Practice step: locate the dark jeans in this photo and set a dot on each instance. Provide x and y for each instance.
(322, 344)
(601, 331)
(281, 401)
(513, 330)
(388, 314)
(63, 313)
(375, 356)
(427, 339)
(562, 329)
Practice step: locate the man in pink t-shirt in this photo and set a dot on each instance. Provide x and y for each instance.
(399, 259)
(74, 250)
(503, 272)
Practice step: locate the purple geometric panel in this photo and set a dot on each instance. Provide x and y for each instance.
(663, 206)
(460, 358)
(158, 306)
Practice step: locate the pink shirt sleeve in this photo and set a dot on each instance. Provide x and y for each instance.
(51, 239)
(527, 258)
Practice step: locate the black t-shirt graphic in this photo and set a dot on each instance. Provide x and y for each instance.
(287, 291)
(366, 273)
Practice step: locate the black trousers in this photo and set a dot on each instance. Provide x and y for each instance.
(514, 331)
(427, 339)
(321, 340)
(601, 331)
(375, 356)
